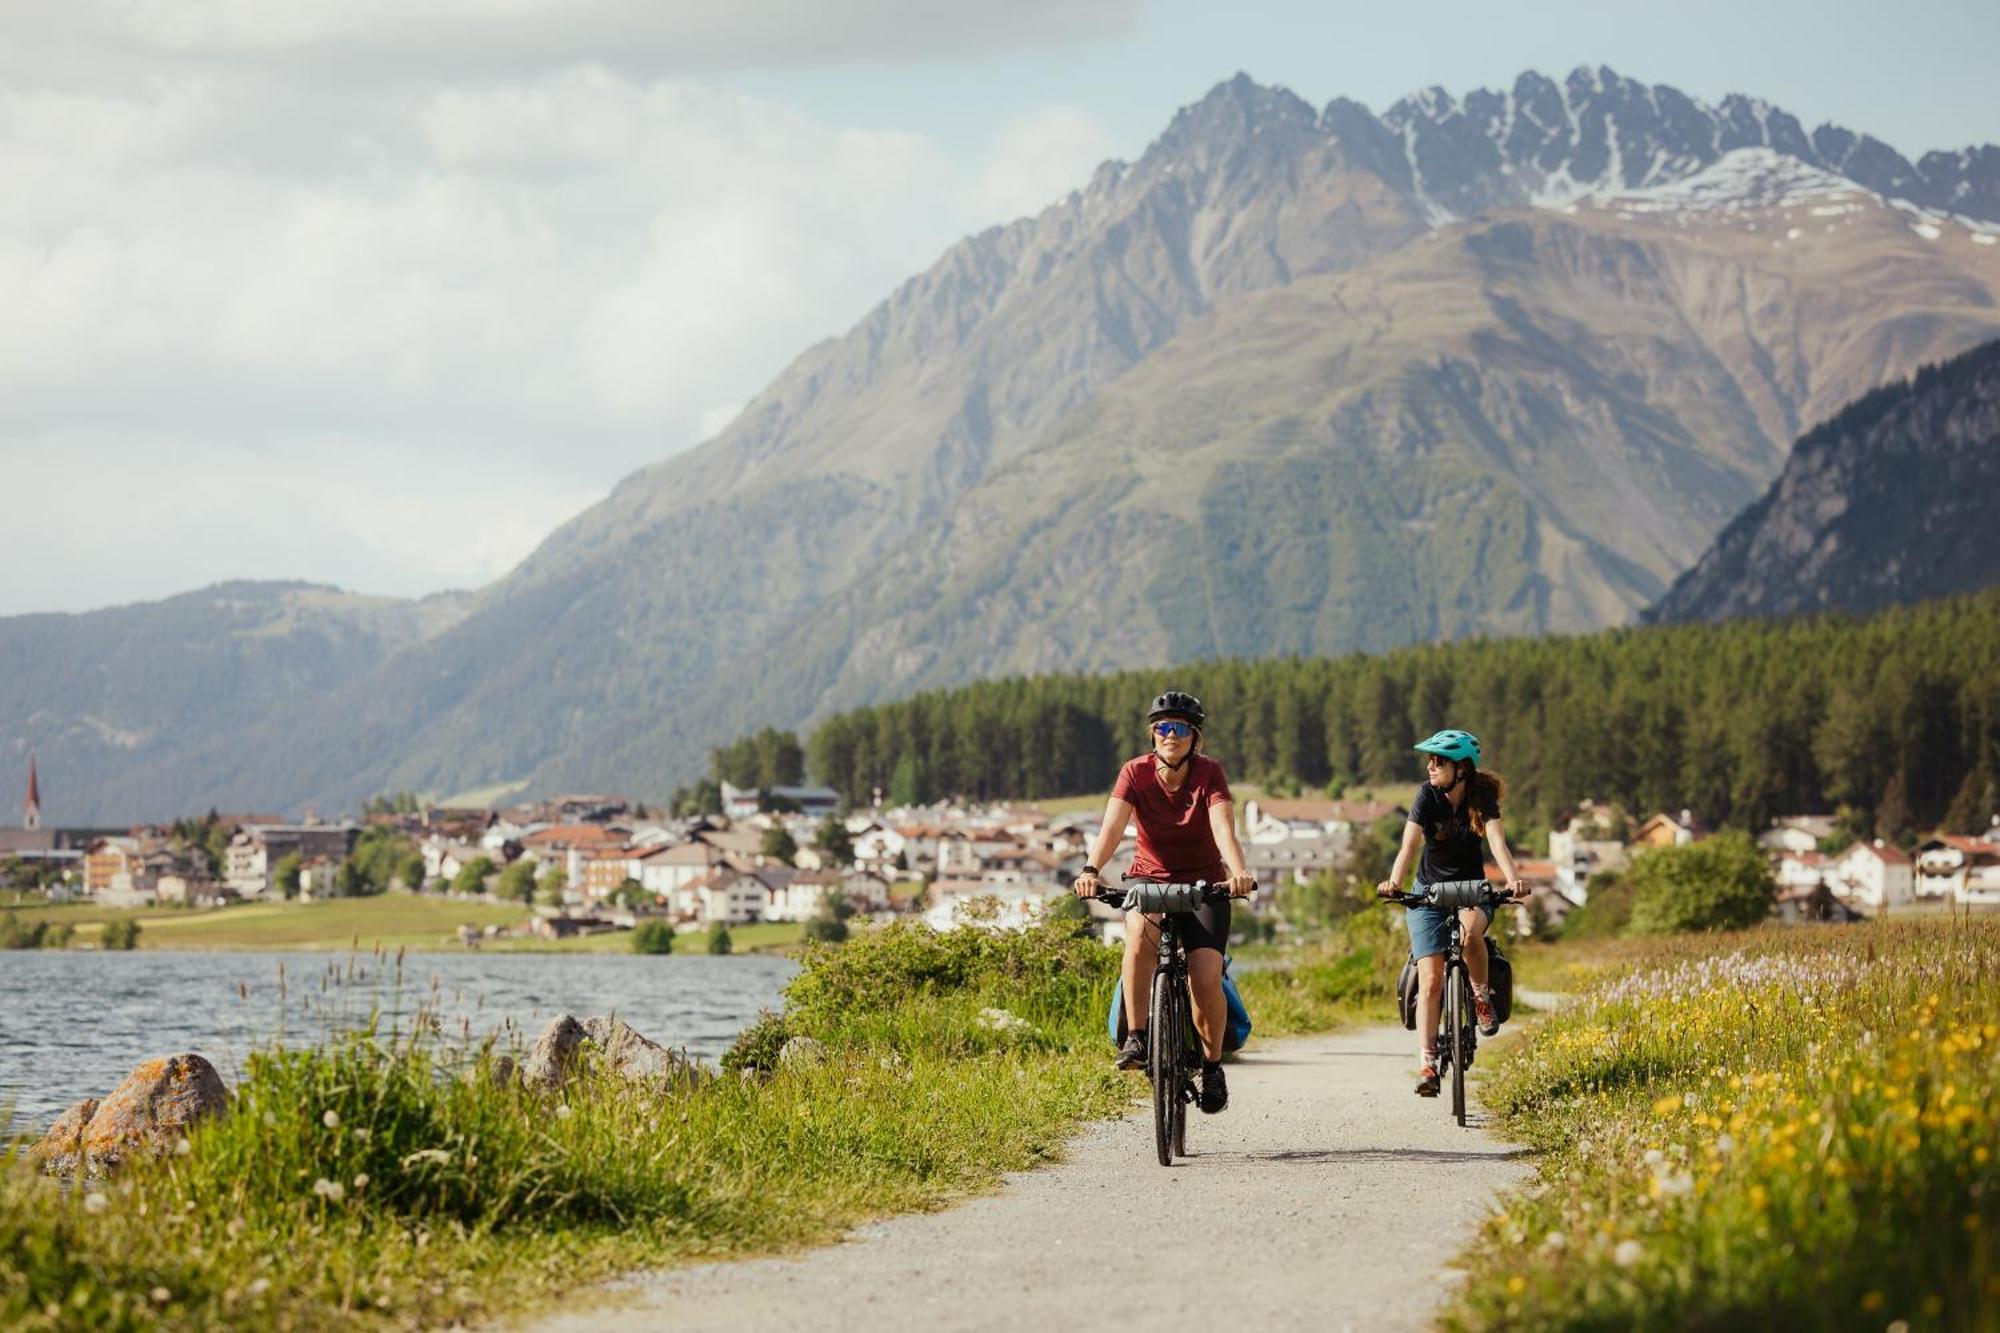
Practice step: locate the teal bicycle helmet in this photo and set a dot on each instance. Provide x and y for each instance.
(1451, 744)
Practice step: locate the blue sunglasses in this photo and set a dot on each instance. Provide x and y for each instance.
(1172, 729)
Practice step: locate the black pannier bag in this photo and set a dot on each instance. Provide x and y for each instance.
(1500, 976)
(1406, 994)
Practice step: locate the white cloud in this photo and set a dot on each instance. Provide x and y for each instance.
(518, 290)
(1038, 158)
(391, 38)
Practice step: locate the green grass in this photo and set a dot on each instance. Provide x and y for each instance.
(383, 1181)
(1345, 977)
(388, 921)
(1787, 1128)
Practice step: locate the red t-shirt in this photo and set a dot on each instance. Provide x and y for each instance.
(1175, 841)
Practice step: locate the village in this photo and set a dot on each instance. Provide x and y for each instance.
(589, 864)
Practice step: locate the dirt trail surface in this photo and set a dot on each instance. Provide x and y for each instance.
(1326, 1197)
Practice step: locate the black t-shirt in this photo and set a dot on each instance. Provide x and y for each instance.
(1451, 848)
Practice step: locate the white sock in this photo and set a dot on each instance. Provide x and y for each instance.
(1483, 992)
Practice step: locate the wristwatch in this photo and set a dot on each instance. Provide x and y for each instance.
(1090, 870)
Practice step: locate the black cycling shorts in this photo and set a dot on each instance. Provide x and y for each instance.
(1206, 928)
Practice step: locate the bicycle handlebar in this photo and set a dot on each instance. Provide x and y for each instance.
(1451, 893)
(1147, 897)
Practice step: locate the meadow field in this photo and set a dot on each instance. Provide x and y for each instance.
(387, 921)
(1793, 1128)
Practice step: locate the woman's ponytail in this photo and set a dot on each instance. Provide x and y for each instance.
(1483, 792)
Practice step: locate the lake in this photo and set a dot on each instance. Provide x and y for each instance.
(72, 1024)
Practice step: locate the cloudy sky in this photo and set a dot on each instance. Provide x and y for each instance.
(377, 292)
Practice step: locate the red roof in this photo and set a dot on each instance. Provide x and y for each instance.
(573, 835)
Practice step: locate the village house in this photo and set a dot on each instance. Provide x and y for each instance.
(1873, 875)
(189, 888)
(318, 878)
(604, 870)
(1799, 871)
(257, 848)
(878, 847)
(997, 906)
(569, 847)
(110, 861)
(813, 802)
(1959, 869)
(725, 896)
(1796, 833)
(1585, 844)
(1671, 830)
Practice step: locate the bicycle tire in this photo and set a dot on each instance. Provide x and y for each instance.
(1460, 992)
(1183, 1019)
(1163, 1064)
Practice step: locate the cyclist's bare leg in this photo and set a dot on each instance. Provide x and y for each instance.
(1142, 959)
(1430, 997)
(1211, 1009)
(1472, 938)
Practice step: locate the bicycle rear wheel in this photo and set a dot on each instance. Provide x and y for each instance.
(1163, 1064)
(1458, 1005)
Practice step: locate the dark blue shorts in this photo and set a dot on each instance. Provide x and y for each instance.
(1430, 928)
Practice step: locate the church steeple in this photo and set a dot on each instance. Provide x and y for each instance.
(32, 817)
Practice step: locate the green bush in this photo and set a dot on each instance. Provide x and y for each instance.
(471, 877)
(122, 934)
(1606, 910)
(826, 930)
(757, 1047)
(653, 937)
(1722, 883)
(15, 935)
(718, 939)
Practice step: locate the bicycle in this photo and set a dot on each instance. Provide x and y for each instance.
(1170, 1061)
(1458, 1033)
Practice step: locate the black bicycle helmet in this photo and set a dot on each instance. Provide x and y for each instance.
(1176, 703)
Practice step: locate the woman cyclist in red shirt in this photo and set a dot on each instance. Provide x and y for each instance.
(1187, 832)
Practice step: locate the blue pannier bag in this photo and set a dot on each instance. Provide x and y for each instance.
(1234, 1035)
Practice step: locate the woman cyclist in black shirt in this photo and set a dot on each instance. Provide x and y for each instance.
(1454, 809)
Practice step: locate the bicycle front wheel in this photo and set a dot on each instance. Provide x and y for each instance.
(1163, 1063)
(1183, 1066)
(1460, 993)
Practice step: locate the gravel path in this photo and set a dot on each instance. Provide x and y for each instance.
(1299, 1210)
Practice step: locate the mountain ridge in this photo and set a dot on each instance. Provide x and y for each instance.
(1885, 503)
(966, 480)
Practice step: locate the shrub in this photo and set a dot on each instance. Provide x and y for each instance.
(1720, 884)
(757, 1046)
(122, 934)
(826, 930)
(14, 935)
(1606, 910)
(718, 939)
(653, 937)
(471, 877)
